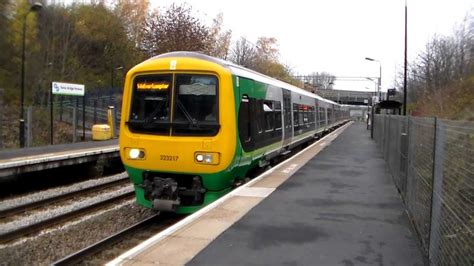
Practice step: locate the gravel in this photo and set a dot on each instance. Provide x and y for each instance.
(56, 243)
(53, 211)
(20, 200)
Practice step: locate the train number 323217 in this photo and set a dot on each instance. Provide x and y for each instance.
(169, 158)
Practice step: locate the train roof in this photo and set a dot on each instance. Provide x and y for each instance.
(242, 72)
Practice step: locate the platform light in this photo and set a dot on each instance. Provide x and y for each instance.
(380, 74)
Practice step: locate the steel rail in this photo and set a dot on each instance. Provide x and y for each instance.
(80, 255)
(28, 229)
(36, 204)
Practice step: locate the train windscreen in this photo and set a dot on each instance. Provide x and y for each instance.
(194, 105)
(150, 110)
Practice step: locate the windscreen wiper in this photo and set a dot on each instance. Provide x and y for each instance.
(149, 119)
(193, 122)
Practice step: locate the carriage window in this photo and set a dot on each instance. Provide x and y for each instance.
(295, 115)
(277, 110)
(305, 115)
(269, 117)
(322, 117)
(301, 116)
(259, 115)
(244, 121)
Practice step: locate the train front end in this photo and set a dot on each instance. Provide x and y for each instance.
(177, 132)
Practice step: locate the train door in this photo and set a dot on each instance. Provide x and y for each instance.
(287, 122)
(245, 125)
(246, 134)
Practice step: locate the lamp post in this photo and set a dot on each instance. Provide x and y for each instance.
(113, 75)
(376, 85)
(33, 8)
(405, 63)
(380, 74)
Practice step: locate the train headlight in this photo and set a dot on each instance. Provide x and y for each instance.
(199, 158)
(135, 153)
(207, 157)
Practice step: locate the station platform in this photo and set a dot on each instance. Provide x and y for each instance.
(334, 203)
(17, 161)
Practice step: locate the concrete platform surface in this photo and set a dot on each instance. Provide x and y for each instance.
(8, 155)
(341, 208)
(20, 161)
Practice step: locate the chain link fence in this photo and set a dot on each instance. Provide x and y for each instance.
(432, 161)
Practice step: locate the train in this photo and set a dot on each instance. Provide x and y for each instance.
(193, 126)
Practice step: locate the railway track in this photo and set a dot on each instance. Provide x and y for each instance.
(15, 210)
(112, 246)
(26, 230)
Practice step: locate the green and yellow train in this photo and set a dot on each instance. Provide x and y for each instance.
(193, 126)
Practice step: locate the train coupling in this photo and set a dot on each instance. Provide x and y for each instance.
(167, 193)
(165, 205)
(163, 192)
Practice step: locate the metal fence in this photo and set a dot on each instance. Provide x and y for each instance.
(72, 120)
(94, 111)
(432, 161)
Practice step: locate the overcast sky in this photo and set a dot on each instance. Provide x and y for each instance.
(336, 35)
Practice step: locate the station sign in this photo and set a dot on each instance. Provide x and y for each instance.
(60, 88)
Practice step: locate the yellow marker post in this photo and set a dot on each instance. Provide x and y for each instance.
(111, 121)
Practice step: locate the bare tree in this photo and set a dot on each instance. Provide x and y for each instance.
(436, 77)
(267, 49)
(176, 30)
(7, 48)
(321, 80)
(133, 14)
(263, 58)
(243, 53)
(219, 38)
